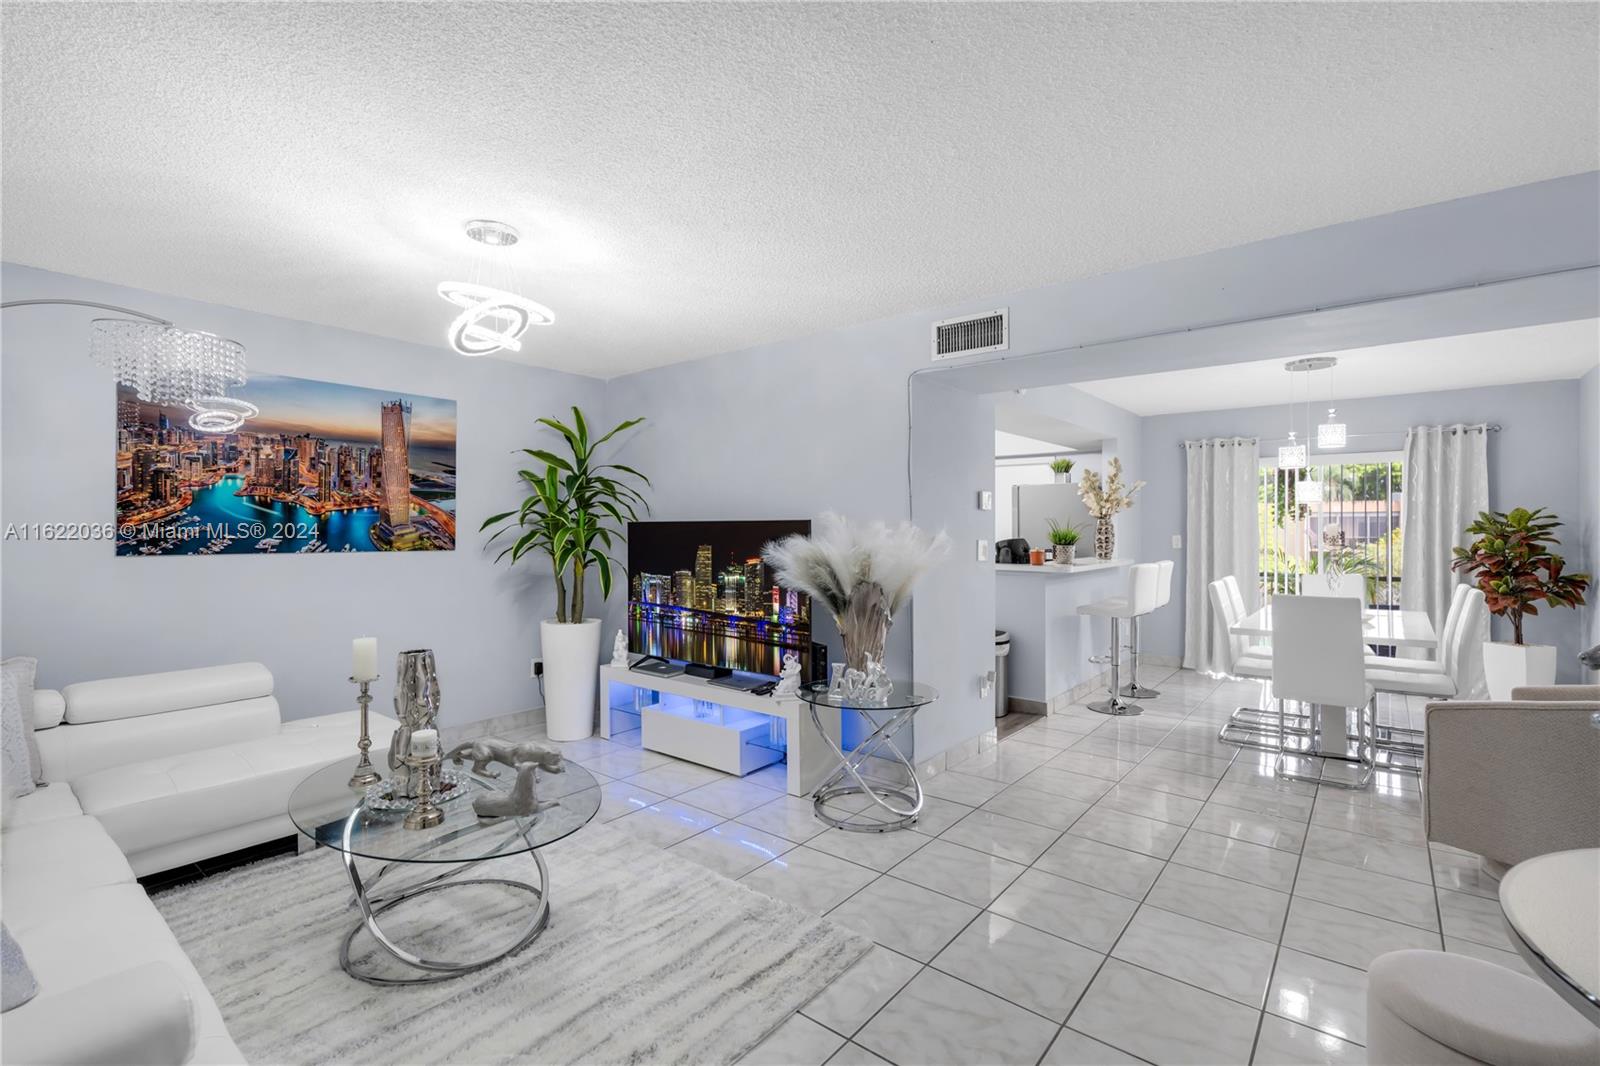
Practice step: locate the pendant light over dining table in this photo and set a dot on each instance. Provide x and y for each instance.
(1296, 454)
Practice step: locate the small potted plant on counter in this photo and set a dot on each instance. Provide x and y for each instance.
(1065, 539)
(1511, 562)
(575, 515)
(1062, 468)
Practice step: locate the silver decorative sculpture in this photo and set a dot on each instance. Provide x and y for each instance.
(867, 687)
(527, 759)
(416, 704)
(520, 802)
(489, 750)
(789, 680)
(619, 650)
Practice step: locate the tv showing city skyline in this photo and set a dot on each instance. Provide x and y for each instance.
(698, 592)
(318, 467)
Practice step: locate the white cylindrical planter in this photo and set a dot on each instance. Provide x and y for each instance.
(1509, 666)
(571, 653)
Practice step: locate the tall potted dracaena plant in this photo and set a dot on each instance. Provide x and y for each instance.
(1510, 560)
(572, 517)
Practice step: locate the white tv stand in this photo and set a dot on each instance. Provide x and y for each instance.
(738, 733)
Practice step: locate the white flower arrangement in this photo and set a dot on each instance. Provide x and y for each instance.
(1103, 501)
(863, 574)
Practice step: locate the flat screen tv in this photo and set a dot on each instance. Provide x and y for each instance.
(698, 592)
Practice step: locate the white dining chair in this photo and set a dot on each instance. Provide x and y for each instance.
(1140, 598)
(1464, 626)
(1318, 659)
(1334, 583)
(1460, 604)
(1246, 727)
(1133, 690)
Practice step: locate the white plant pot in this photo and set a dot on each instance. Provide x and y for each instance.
(571, 653)
(1509, 666)
(1064, 479)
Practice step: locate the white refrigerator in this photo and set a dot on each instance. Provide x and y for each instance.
(1035, 505)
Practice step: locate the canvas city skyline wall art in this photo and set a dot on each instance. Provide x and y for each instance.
(322, 467)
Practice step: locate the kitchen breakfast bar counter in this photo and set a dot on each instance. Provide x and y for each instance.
(1050, 642)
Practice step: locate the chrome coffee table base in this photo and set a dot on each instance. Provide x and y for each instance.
(432, 971)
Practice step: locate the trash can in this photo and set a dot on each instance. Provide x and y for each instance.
(1002, 652)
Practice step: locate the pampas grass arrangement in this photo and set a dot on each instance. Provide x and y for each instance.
(862, 573)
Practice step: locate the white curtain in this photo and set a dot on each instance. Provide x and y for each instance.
(1446, 485)
(1223, 535)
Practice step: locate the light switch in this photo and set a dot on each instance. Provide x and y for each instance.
(1177, 540)
(983, 551)
(985, 501)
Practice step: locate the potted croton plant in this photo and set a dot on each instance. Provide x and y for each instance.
(1510, 560)
(572, 517)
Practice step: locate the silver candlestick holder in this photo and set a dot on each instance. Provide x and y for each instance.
(366, 774)
(424, 815)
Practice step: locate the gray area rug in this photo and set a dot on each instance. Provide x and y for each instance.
(649, 958)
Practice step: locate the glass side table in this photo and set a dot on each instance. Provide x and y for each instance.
(900, 801)
(324, 809)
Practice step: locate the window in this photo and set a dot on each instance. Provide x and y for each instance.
(1354, 526)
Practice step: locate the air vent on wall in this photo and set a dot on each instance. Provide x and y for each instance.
(970, 334)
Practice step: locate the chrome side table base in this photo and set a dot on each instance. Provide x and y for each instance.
(902, 803)
(433, 970)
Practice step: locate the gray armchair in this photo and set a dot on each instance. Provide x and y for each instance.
(1514, 779)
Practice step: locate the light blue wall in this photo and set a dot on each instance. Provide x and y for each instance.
(796, 427)
(1585, 547)
(86, 613)
(1533, 462)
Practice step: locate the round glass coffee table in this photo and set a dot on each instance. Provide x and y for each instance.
(901, 801)
(324, 809)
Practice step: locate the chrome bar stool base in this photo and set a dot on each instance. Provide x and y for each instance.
(1115, 705)
(1133, 690)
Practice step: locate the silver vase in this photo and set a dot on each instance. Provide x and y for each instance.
(864, 626)
(1105, 539)
(416, 705)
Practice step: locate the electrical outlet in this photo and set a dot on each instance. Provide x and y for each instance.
(985, 501)
(983, 551)
(536, 668)
(1177, 540)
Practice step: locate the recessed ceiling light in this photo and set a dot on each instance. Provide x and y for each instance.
(496, 234)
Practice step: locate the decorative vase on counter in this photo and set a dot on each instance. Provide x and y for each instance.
(1105, 539)
(864, 625)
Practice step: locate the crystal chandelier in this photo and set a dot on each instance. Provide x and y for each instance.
(164, 364)
(1331, 434)
(492, 318)
(1293, 456)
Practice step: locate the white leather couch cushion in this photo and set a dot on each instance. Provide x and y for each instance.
(176, 690)
(73, 751)
(43, 865)
(102, 932)
(43, 804)
(49, 708)
(154, 803)
(143, 1017)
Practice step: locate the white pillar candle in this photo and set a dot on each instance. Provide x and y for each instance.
(425, 742)
(364, 656)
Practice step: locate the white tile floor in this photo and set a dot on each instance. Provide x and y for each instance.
(1091, 890)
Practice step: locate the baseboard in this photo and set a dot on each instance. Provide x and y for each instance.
(505, 723)
(1019, 705)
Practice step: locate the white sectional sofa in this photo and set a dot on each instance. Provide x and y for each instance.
(146, 773)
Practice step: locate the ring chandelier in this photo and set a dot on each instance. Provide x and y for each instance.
(492, 318)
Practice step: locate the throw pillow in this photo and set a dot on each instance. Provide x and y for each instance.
(17, 985)
(26, 668)
(16, 774)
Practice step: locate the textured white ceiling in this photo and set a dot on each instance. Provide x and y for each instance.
(697, 178)
(1553, 352)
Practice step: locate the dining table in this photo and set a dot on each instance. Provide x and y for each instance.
(1381, 628)
(1551, 905)
(1328, 734)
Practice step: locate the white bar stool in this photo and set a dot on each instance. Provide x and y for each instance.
(1140, 599)
(1134, 690)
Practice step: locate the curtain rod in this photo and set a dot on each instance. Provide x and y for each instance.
(1493, 427)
